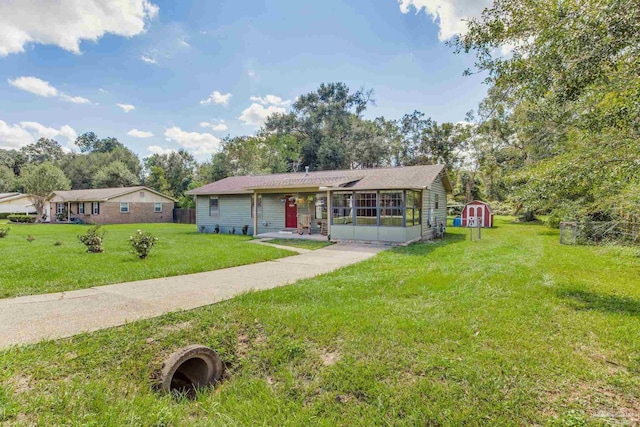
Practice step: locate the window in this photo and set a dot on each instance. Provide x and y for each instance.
(142, 194)
(259, 205)
(214, 206)
(81, 208)
(341, 206)
(60, 208)
(124, 207)
(436, 202)
(321, 206)
(391, 208)
(414, 208)
(157, 207)
(366, 208)
(95, 208)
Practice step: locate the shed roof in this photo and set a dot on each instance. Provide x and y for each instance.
(99, 194)
(8, 195)
(408, 177)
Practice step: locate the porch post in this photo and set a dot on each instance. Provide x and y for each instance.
(255, 213)
(329, 213)
(68, 211)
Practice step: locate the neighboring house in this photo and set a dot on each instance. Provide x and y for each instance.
(477, 212)
(16, 203)
(111, 206)
(388, 204)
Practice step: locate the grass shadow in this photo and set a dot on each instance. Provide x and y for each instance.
(584, 300)
(425, 248)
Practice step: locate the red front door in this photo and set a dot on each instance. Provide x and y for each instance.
(291, 213)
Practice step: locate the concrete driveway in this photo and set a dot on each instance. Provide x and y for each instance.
(34, 318)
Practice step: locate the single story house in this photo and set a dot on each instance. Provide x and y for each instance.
(16, 203)
(399, 205)
(124, 205)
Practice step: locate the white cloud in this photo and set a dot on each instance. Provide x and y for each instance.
(35, 86)
(201, 143)
(24, 133)
(256, 114)
(217, 98)
(148, 59)
(43, 88)
(13, 136)
(75, 99)
(139, 133)
(102, 90)
(126, 107)
(68, 22)
(156, 149)
(450, 15)
(251, 74)
(270, 100)
(218, 127)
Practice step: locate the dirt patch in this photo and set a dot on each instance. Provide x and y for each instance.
(330, 358)
(21, 383)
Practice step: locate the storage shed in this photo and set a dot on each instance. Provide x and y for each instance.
(477, 211)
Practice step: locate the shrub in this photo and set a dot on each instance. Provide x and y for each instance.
(21, 218)
(30, 238)
(4, 215)
(93, 239)
(4, 231)
(57, 243)
(142, 242)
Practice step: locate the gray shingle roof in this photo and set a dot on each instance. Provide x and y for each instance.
(408, 177)
(7, 195)
(98, 194)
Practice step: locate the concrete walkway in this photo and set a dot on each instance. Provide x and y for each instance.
(34, 318)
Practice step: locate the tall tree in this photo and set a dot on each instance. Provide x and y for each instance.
(7, 179)
(179, 168)
(115, 174)
(40, 180)
(43, 150)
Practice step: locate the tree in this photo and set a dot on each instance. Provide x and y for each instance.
(89, 142)
(7, 179)
(115, 174)
(43, 150)
(40, 180)
(157, 180)
(571, 86)
(82, 168)
(178, 168)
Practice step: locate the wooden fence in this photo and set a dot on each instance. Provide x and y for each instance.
(184, 216)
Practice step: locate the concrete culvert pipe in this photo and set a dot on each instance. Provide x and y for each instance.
(190, 368)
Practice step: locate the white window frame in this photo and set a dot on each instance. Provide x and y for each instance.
(95, 208)
(124, 205)
(155, 207)
(81, 208)
(214, 213)
(60, 208)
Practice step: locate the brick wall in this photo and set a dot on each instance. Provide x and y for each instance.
(110, 213)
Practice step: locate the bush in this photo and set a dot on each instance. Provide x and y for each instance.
(4, 215)
(93, 239)
(142, 242)
(30, 238)
(4, 231)
(502, 208)
(57, 243)
(21, 218)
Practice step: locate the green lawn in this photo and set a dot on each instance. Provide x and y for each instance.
(40, 266)
(510, 330)
(302, 244)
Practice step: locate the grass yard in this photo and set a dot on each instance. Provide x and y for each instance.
(312, 245)
(40, 266)
(510, 330)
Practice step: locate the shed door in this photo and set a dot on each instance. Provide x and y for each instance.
(291, 213)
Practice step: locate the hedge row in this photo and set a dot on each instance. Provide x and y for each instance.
(4, 215)
(21, 218)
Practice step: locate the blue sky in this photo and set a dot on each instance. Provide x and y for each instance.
(166, 59)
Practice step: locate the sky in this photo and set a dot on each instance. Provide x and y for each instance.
(164, 75)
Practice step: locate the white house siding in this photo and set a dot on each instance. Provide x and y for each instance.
(235, 212)
(375, 234)
(19, 204)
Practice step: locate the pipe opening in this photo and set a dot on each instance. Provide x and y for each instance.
(189, 369)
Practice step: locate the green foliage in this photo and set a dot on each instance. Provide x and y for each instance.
(30, 238)
(7, 179)
(115, 174)
(21, 218)
(4, 232)
(57, 243)
(178, 170)
(142, 242)
(40, 180)
(43, 150)
(93, 239)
